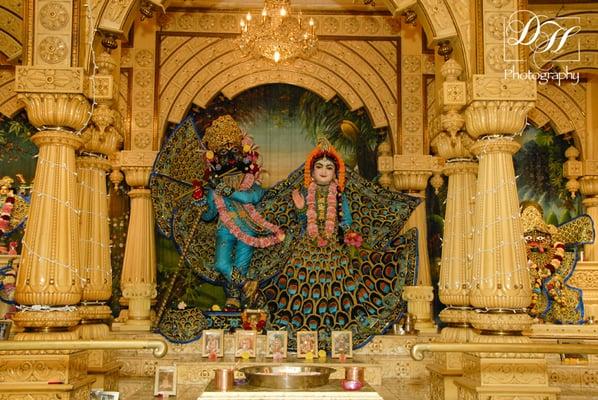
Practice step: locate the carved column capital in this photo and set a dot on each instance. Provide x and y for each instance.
(448, 147)
(495, 145)
(63, 110)
(498, 106)
(460, 167)
(589, 186)
(137, 166)
(411, 173)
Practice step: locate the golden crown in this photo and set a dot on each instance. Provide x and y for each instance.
(531, 219)
(6, 182)
(223, 133)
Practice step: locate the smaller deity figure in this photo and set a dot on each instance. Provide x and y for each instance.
(233, 192)
(551, 262)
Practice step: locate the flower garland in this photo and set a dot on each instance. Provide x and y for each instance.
(256, 218)
(312, 226)
(549, 269)
(5, 214)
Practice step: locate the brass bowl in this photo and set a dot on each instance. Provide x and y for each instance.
(287, 376)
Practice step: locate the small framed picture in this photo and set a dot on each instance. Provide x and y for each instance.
(307, 342)
(102, 395)
(5, 326)
(245, 342)
(342, 344)
(276, 344)
(165, 383)
(213, 343)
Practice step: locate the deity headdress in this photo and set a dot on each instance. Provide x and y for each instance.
(6, 182)
(325, 149)
(531, 219)
(223, 133)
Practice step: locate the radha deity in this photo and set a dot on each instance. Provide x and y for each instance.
(332, 280)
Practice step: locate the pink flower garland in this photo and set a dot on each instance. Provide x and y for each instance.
(5, 214)
(256, 218)
(312, 226)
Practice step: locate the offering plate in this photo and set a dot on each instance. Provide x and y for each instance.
(287, 376)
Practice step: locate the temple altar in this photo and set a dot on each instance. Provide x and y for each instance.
(318, 183)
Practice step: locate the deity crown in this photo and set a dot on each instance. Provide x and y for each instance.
(6, 182)
(531, 219)
(223, 133)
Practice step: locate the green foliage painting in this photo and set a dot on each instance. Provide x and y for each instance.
(539, 171)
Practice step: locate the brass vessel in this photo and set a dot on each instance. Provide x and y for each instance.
(287, 376)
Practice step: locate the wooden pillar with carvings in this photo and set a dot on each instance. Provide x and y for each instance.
(412, 167)
(452, 144)
(500, 289)
(101, 139)
(138, 279)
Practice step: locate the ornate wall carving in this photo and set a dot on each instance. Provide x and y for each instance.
(195, 69)
(11, 34)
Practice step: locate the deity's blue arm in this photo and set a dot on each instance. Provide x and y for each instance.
(251, 196)
(211, 212)
(346, 219)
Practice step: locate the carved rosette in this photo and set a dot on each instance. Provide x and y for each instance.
(57, 110)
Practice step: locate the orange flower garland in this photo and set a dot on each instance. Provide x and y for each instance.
(324, 151)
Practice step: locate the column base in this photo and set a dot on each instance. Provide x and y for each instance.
(504, 392)
(132, 325)
(442, 382)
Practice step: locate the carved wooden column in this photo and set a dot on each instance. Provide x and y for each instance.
(100, 140)
(138, 280)
(500, 287)
(457, 245)
(411, 174)
(49, 272)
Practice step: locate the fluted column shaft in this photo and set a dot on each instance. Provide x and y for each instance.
(49, 271)
(94, 231)
(138, 278)
(500, 278)
(419, 297)
(457, 244)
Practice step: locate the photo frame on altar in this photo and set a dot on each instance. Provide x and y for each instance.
(342, 344)
(245, 342)
(276, 344)
(307, 341)
(5, 326)
(213, 343)
(165, 381)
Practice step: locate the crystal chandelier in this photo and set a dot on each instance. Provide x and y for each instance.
(278, 36)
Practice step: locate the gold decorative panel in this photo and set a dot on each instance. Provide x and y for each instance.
(53, 25)
(195, 69)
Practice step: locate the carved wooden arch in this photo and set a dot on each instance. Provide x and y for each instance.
(11, 29)
(563, 107)
(9, 105)
(217, 65)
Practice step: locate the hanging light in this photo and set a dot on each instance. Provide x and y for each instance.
(278, 36)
